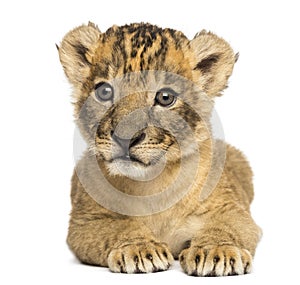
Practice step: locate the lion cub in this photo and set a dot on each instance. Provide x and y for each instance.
(154, 184)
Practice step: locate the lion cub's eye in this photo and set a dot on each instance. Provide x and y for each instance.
(104, 91)
(166, 97)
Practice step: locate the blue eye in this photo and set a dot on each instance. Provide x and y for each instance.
(104, 91)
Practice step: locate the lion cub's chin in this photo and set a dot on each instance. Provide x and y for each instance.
(135, 170)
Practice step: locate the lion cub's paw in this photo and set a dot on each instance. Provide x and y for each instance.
(215, 261)
(140, 258)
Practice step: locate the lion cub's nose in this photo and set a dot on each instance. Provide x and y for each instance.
(125, 144)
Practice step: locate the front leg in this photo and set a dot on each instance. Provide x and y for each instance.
(123, 245)
(224, 246)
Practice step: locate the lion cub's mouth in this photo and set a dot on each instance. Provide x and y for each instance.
(130, 158)
(135, 169)
(132, 166)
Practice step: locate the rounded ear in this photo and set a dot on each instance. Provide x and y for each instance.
(213, 62)
(76, 52)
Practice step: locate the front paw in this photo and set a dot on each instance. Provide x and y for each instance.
(215, 260)
(140, 258)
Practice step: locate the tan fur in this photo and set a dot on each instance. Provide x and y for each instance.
(211, 237)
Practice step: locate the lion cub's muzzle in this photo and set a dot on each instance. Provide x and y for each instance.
(126, 145)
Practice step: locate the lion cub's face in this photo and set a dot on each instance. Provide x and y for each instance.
(142, 93)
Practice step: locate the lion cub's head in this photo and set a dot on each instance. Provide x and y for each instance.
(143, 94)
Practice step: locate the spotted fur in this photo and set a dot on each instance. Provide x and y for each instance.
(211, 237)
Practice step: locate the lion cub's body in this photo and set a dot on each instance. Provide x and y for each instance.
(213, 236)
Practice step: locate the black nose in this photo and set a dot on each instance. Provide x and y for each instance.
(125, 144)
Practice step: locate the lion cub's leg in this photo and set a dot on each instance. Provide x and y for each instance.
(227, 240)
(224, 246)
(100, 237)
(122, 245)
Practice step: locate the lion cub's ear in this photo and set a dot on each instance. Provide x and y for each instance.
(214, 60)
(76, 52)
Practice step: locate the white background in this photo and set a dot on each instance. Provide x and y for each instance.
(259, 111)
